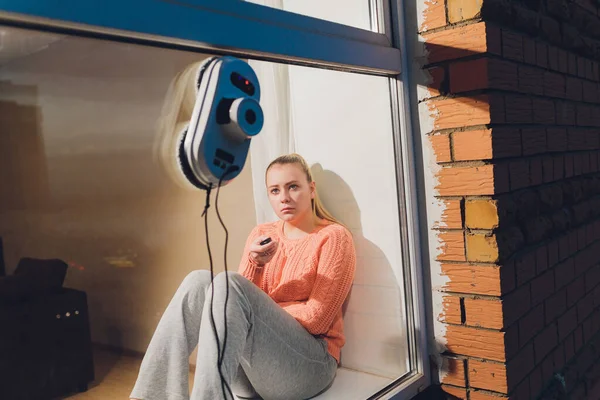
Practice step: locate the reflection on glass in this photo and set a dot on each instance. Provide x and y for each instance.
(355, 13)
(83, 181)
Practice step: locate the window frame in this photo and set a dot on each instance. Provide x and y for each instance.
(171, 23)
(320, 44)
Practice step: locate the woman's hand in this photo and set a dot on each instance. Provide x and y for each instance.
(262, 254)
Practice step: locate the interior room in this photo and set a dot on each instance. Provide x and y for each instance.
(84, 181)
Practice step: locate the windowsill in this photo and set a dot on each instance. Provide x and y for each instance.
(353, 385)
(350, 384)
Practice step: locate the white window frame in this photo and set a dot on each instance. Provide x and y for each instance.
(196, 25)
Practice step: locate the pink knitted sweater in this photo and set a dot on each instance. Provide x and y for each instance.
(309, 277)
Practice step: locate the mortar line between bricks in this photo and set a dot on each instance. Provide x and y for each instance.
(463, 216)
(471, 296)
(463, 357)
(443, 229)
(501, 396)
(466, 376)
(479, 328)
(451, 144)
(454, 386)
(450, 26)
(479, 231)
(470, 263)
(449, 197)
(449, 354)
(462, 164)
(449, 131)
(446, 22)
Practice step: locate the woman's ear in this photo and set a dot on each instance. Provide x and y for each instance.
(313, 188)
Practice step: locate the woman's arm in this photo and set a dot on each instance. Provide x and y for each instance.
(335, 274)
(248, 267)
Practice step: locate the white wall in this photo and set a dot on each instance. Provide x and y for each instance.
(343, 127)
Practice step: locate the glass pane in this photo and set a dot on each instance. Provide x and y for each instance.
(341, 123)
(88, 178)
(355, 13)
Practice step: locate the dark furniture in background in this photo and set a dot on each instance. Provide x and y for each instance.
(45, 343)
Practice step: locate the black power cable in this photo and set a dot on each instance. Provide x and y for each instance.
(230, 170)
(220, 352)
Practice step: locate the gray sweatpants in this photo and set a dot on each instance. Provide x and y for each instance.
(268, 353)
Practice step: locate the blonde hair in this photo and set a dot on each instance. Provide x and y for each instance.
(317, 207)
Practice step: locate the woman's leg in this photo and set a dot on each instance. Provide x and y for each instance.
(164, 371)
(281, 359)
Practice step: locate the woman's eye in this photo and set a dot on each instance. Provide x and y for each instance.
(274, 191)
(293, 186)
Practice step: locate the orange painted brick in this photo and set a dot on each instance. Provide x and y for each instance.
(460, 111)
(451, 310)
(466, 181)
(488, 375)
(482, 248)
(456, 43)
(474, 342)
(472, 145)
(475, 279)
(460, 10)
(481, 395)
(452, 246)
(434, 15)
(484, 313)
(454, 372)
(460, 393)
(451, 216)
(481, 214)
(441, 147)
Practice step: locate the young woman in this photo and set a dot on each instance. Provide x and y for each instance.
(284, 311)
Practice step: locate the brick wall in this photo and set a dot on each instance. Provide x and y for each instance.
(514, 110)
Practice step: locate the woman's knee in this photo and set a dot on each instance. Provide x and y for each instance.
(196, 280)
(236, 280)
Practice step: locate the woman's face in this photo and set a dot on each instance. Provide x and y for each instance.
(289, 192)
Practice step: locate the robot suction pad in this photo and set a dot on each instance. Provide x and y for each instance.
(226, 115)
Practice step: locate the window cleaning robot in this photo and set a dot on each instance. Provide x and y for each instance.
(226, 115)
